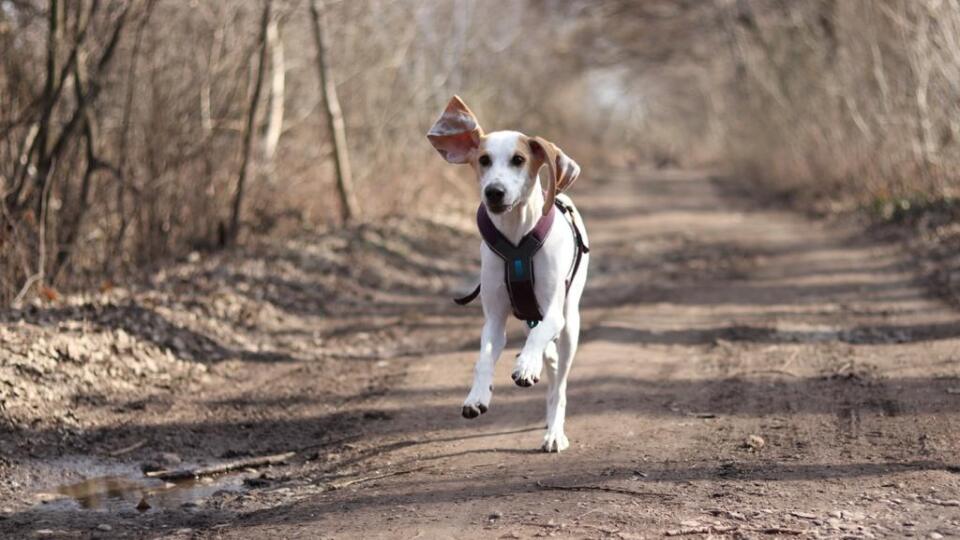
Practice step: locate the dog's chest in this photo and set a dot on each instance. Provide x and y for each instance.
(529, 274)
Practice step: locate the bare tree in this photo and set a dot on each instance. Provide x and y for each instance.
(276, 97)
(126, 138)
(348, 201)
(248, 131)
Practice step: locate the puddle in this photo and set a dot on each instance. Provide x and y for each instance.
(125, 491)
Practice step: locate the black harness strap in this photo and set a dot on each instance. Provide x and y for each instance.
(580, 247)
(518, 261)
(519, 275)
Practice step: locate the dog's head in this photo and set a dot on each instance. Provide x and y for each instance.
(506, 162)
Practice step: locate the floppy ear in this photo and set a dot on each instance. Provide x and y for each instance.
(563, 170)
(456, 133)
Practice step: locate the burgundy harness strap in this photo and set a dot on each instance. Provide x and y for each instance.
(519, 275)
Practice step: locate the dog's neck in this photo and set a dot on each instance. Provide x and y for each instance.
(515, 223)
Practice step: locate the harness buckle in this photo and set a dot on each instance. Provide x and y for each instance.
(518, 268)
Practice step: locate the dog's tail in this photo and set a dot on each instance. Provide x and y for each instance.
(464, 300)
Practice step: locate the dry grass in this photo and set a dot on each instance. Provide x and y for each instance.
(148, 168)
(837, 105)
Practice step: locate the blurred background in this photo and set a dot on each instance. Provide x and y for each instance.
(135, 131)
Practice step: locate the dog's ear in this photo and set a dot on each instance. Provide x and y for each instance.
(563, 170)
(456, 133)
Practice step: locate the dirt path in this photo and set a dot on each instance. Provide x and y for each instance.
(741, 372)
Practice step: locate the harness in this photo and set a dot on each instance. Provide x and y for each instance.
(518, 272)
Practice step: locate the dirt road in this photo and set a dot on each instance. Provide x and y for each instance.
(742, 372)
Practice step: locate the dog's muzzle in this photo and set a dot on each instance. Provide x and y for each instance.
(495, 196)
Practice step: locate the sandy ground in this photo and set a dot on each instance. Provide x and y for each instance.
(742, 373)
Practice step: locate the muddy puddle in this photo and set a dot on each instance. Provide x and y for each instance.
(127, 490)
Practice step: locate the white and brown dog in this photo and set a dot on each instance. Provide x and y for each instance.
(514, 203)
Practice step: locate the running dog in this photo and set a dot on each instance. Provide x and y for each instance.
(533, 263)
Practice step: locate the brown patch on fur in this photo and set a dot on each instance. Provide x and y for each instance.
(523, 148)
(546, 154)
(535, 160)
(563, 170)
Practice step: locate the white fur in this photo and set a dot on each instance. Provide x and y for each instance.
(555, 338)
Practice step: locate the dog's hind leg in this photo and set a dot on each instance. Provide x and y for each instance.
(556, 440)
(550, 360)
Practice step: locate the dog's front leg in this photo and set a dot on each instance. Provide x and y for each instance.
(530, 360)
(492, 341)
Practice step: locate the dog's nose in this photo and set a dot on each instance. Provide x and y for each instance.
(494, 194)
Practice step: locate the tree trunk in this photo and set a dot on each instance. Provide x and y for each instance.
(348, 200)
(234, 228)
(274, 128)
(86, 88)
(123, 153)
(54, 35)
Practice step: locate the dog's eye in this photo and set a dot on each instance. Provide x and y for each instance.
(484, 160)
(517, 160)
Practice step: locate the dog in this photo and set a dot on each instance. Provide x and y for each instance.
(516, 212)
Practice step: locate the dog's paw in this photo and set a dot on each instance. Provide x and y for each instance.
(473, 411)
(527, 371)
(555, 442)
(477, 402)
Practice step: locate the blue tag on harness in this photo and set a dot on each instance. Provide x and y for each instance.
(518, 268)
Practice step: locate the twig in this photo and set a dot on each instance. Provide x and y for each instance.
(780, 530)
(941, 502)
(588, 512)
(127, 449)
(693, 414)
(766, 372)
(604, 530)
(340, 485)
(723, 529)
(42, 240)
(727, 514)
(541, 525)
(623, 491)
(33, 279)
(331, 443)
(220, 468)
(709, 529)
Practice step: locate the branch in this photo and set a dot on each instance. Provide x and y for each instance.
(607, 489)
(220, 468)
(37, 277)
(362, 479)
